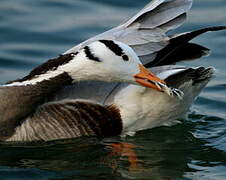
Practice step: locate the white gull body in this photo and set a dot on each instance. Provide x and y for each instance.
(144, 108)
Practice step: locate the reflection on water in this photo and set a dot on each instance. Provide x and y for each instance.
(161, 153)
(34, 31)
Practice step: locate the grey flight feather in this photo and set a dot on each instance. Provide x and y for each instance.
(145, 32)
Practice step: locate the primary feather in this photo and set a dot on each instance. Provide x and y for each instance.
(146, 31)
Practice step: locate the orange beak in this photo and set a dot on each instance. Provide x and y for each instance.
(148, 79)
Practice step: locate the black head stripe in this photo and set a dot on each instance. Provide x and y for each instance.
(113, 47)
(90, 55)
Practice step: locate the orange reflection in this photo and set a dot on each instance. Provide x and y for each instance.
(126, 150)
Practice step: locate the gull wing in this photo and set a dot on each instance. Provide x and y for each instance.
(146, 31)
(95, 91)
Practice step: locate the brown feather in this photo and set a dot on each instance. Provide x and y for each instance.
(69, 119)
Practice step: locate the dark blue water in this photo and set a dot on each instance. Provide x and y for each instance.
(32, 31)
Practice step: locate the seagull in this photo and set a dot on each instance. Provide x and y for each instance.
(100, 88)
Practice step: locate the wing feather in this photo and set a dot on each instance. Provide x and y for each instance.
(147, 28)
(69, 119)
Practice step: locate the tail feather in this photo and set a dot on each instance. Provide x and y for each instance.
(193, 75)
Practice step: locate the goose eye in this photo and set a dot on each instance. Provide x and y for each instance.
(125, 57)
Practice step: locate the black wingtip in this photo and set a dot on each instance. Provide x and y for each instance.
(216, 28)
(173, 49)
(191, 35)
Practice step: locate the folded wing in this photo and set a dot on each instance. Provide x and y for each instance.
(69, 119)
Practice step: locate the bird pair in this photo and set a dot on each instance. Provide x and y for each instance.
(101, 88)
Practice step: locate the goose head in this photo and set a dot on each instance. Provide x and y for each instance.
(111, 61)
(103, 60)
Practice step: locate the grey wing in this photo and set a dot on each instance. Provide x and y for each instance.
(69, 119)
(145, 32)
(95, 91)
